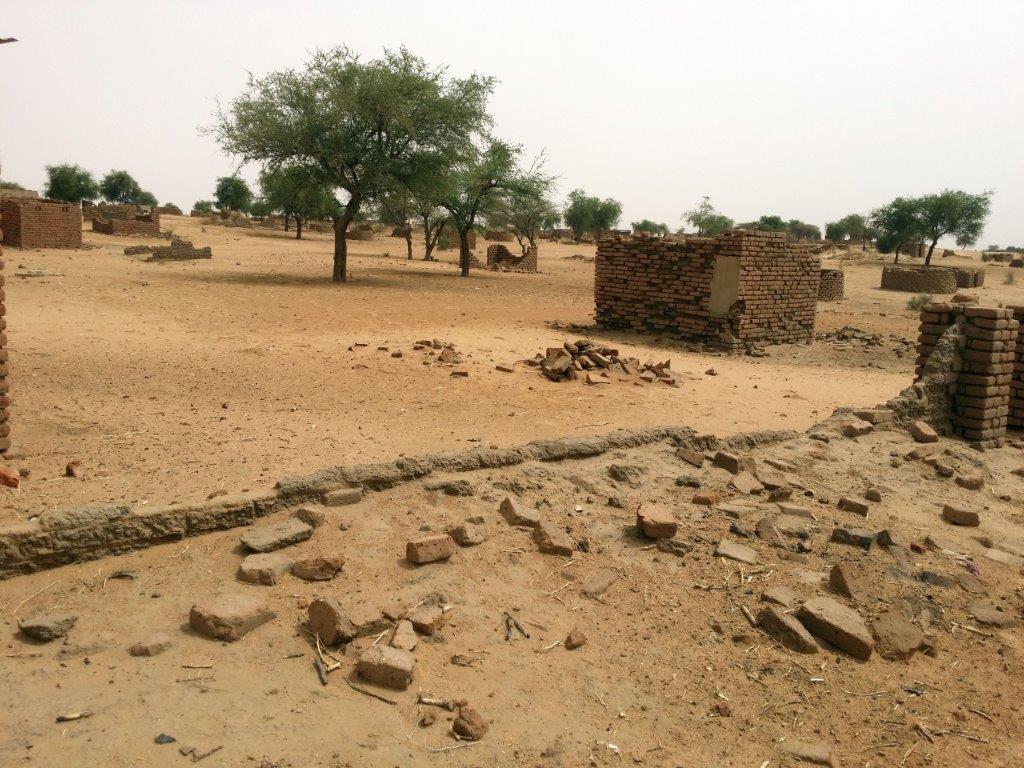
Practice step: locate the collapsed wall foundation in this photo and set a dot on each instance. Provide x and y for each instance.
(501, 258)
(730, 291)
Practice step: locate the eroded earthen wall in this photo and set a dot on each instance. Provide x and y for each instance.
(728, 291)
(29, 223)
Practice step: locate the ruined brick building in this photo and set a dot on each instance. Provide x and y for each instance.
(739, 288)
(124, 220)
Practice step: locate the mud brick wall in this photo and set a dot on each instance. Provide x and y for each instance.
(1015, 418)
(913, 279)
(5, 400)
(498, 255)
(29, 223)
(831, 285)
(498, 237)
(728, 291)
(147, 225)
(979, 378)
(969, 277)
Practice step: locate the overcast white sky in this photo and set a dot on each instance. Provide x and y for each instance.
(809, 109)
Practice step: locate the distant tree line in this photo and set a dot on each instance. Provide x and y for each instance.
(73, 184)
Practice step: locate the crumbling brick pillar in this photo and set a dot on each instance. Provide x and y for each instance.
(5, 400)
(1015, 418)
(979, 376)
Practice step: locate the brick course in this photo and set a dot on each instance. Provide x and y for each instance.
(915, 279)
(831, 285)
(738, 288)
(29, 223)
(5, 400)
(1015, 417)
(498, 257)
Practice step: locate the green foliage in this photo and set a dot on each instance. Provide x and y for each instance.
(707, 221)
(146, 198)
(803, 231)
(120, 187)
(232, 194)
(953, 212)
(591, 215)
(651, 227)
(295, 190)
(260, 208)
(920, 301)
(70, 183)
(358, 125)
(525, 214)
(203, 206)
(10, 185)
(481, 181)
(897, 223)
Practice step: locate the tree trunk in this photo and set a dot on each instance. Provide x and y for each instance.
(408, 242)
(464, 251)
(898, 246)
(298, 227)
(286, 217)
(928, 257)
(340, 274)
(430, 240)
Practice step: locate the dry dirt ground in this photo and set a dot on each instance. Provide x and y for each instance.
(673, 674)
(170, 382)
(175, 380)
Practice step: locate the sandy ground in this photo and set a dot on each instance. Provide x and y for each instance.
(672, 673)
(173, 381)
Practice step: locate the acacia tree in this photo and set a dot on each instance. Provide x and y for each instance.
(295, 191)
(952, 212)
(358, 124)
(590, 215)
(146, 198)
(477, 182)
(70, 183)
(801, 230)
(525, 214)
(232, 194)
(707, 221)
(120, 187)
(651, 227)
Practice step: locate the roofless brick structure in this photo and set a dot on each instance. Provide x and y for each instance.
(30, 223)
(729, 291)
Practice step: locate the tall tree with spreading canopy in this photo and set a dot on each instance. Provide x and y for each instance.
(232, 194)
(953, 212)
(525, 215)
(803, 231)
(359, 124)
(120, 187)
(651, 227)
(585, 214)
(70, 183)
(296, 192)
(146, 198)
(477, 182)
(706, 220)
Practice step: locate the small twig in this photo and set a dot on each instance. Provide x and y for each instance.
(73, 716)
(432, 702)
(925, 732)
(180, 553)
(979, 712)
(907, 753)
(34, 594)
(749, 615)
(23, 655)
(547, 648)
(197, 666)
(371, 694)
(869, 693)
(556, 591)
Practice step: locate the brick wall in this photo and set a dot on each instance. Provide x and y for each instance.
(498, 236)
(737, 288)
(831, 285)
(914, 279)
(1015, 417)
(498, 257)
(969, 277)
(143, 225)
(5, 400)
(978, 377)
(31, 223)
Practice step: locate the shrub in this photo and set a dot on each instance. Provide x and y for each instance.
(920, 301)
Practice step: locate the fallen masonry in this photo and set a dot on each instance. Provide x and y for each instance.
(599, 364)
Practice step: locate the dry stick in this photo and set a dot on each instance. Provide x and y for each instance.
(907, 753)
(371, 694)
(37, 592)
(432, 702)
(197, 666)
(979, 712)
(547, 648)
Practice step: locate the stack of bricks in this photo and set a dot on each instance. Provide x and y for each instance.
(1015, 418)
(915, 279)
(30, 223)
(969, 277)
(5, 400)
(831, 284)
(665, 286)
(980, 379)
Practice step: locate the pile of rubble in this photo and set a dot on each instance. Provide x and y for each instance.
(599, 364)
(180, 249)
(851, 337)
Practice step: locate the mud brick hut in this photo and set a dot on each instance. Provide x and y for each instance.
(32, 223)
(126, 220)
(730, 291)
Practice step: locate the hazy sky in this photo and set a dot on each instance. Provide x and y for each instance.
(810, 109)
